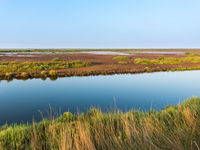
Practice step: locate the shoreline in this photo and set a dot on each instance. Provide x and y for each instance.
(13, 67)
(62, 74)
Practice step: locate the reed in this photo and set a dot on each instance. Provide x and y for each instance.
(175, 127)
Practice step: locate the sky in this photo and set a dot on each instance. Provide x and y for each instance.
(99, 23)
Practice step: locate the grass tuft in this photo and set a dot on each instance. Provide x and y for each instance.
(121, 58)
(53, 73)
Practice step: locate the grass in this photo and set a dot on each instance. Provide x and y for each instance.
(24, 75)
(8, 75)
(165, 60)
(121, 58)
(57, 59)
(53, 73)
(44, 74)
(38, 66)
(175, 127)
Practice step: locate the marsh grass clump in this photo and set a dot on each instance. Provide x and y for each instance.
(53, 73)
(175, 127)
(9, 75)
(44, 73)
(57, 59)
(121, 58)
(24, 75)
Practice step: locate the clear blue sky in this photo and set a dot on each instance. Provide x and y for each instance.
(99, 23)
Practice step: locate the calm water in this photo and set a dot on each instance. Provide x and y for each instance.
(21, 100)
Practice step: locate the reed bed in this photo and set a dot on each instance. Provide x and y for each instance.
(175, 127)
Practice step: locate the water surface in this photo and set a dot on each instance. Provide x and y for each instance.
(21, 100)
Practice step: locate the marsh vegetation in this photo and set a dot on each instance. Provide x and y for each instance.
(192, 58)
(38, 66)
(175, 127)
(83, 64)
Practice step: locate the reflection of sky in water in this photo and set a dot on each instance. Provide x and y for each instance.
(20, 100)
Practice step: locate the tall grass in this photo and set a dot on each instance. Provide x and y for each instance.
(175, 127)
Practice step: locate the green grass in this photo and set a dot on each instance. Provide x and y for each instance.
(175, 127)
(57, 59)
(121, 58)
(166, 60)
(39, 66)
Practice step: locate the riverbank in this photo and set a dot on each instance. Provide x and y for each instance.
(175, 127)
(92, 64)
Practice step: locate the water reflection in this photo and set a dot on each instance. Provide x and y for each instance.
(20, 100)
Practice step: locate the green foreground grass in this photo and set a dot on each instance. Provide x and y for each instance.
(175, 127)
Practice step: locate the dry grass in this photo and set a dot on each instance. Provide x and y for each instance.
(175, 127)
